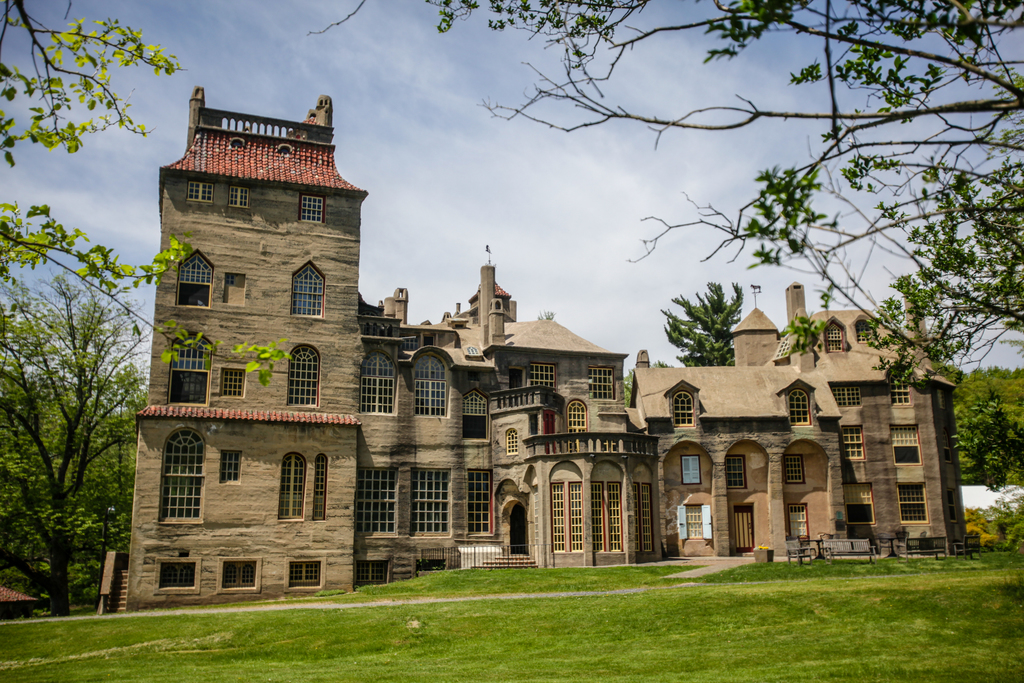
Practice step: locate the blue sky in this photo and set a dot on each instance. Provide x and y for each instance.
(562, 213)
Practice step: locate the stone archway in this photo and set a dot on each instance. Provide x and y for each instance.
(517, 535)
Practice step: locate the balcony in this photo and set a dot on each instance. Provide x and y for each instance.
(590, 443)
(525, 398)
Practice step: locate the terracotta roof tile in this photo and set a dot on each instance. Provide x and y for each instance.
(498, 292)
(201, 412)
(259, 159)
(9, 595)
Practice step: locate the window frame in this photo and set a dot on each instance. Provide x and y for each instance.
(679, 413)
(789, 520)
(421, 515)
(898, 391)
(303, 584)
(172, 480)
(947, 446)
(293, 491)
(475, 400)
(257, 563)
(698, 524)
(230, 472)
(862, 328)
(186, 271)
(511, 441)
(870, 505)
(199, 347)
(535, 378)
(377, 391)
(485, 528)
(682, 470)
(427, 391)
(743, 470)
(830, 342)
(845, 443)
(322, 210)
(786, 459)
(234, 377)
(951, 504)
(295, 389)
(572, 422)
(923, 503)
(847, 396)
(370, 506)
(238, 196)
(643, 502)
(320, 472)
(197, 570)
(201, 189)
(796, 411)
(320, 297)
(917, 445)
(608, 388)
(365, 568)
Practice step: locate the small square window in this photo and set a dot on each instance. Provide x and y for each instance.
(846, 396)
(234, 289)
(200, 192)
(177, 575)
(232, 382)
(229, 465)
(428, 340)
(238, 575)
(602, 383)
(303, 574)
(542, 374)
(311, 208)
(238, 196)
(369, 573)
(899, 393)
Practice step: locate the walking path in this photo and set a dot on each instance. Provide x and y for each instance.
(713, 564)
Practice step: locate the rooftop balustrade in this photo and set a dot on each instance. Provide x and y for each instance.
(262, 125)
(590, 443)
(536, 396)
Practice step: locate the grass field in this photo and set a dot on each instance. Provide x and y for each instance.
(950, 626)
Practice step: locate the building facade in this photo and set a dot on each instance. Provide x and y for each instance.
(379, 439)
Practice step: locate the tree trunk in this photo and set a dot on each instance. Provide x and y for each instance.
(60, 603)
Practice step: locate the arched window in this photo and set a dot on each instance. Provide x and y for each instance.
(320, 487)
(303, 377)
(474, 416)
(833, 338)
(799, 408)
(682, 409)
(576, 417)
(190, 372)
(181, 491)
(308, 292)
(431, 387)
(511, 442)
(293, 476)
(863, 331)
(195, 277)
(377, 384)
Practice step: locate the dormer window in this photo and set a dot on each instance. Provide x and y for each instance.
(863, 331)
(237, 143)
(284, 150)
(799, 408)
(682, 409)
(833, 338)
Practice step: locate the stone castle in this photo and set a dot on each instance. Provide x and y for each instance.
(382, 445)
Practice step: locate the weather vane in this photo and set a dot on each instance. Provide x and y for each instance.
(756, 289)
(487, 248)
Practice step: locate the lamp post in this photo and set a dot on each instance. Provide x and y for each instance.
(103, 552)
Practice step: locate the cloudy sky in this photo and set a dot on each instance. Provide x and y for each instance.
(562, 213)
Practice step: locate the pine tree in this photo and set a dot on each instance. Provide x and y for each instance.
(705, 335)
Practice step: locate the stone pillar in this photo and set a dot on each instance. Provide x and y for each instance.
(837, 499)
(719, 508)
(629, 517)
(776, 503)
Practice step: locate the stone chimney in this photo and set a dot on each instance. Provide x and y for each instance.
(796, 304)
(323, 115)
(497, 323)
(197, 102)
(484, 305)
(401, 305)
(643, 360)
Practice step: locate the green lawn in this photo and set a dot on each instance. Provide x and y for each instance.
(791, 571)
(954, 626)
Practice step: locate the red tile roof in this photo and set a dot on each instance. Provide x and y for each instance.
(8, 595)
(498, 292)
(259, 159)
(201, 412)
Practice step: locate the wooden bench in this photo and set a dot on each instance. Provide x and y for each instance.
(848, 547)
(967, 547)
(925, 545)
(800, 552)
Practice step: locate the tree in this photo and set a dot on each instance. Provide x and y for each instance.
(546, 315)
(70, 384)
(912, 101)
(705, 336)
(989, 406)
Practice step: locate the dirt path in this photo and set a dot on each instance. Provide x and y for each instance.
(713, 565)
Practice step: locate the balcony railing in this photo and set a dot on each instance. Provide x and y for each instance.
(591, 442)
(536, 396)
(525, 556)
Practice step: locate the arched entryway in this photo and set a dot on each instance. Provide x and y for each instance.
(517, 529)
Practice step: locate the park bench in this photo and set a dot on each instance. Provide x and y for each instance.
(925, 545)
(799, 551)
(848, 547)
(967, 547)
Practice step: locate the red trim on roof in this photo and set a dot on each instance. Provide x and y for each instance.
(9, 595)
(498, 292)
(247, 415)
(258, 159)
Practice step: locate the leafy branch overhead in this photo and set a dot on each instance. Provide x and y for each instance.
(916, 109)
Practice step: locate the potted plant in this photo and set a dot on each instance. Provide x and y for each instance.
(763, 553)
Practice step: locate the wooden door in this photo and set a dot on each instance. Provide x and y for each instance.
(743, 528)
(549, 422)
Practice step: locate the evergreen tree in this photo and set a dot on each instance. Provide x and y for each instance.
(705, 335)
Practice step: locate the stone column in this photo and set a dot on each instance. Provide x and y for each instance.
(776, 503)
(720, 522)
(629, 511)
(837, 499)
